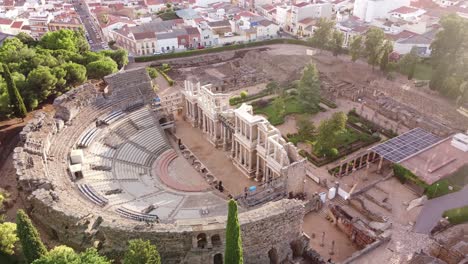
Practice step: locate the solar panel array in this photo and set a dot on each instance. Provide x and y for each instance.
(399, 148)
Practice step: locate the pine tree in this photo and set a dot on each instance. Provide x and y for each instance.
(309, 89)
(233, 252)
(15, 97)
(31, 243)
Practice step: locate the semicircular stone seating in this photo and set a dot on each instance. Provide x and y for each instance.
(108, 171)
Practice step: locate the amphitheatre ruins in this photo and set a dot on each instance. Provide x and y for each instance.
(126, 160)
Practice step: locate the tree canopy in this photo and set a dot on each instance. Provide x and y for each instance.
(327, 132)
(375, 39)
(15, 98)
(309, 89)
(31, 243)
(356, 48)
(141, 252)
(53, 65)
(337, 42)
(323, 33)
(233, 251)
(449, 53)
(8, 238)
(66, 255)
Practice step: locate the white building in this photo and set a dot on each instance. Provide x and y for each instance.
(368, 10)
(206, 3)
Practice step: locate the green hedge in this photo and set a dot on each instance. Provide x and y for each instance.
(328, 103)
(189, 53)
(457, 215)
(235, 100)
(168, 79)
(404, 175)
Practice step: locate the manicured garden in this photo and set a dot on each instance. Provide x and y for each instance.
(276, 110)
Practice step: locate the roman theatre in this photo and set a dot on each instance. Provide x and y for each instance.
(108, 167)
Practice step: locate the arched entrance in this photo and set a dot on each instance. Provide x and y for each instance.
(201, 240)
(273, 256)
(218, 259)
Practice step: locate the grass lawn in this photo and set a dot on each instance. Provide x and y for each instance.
(292, 106)
(457, 215)
(457, 180)
(423, 71)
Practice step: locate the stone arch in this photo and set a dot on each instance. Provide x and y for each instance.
(273, 256)
(201, 240)
(297, 248)
(216, 240)
(218, 258)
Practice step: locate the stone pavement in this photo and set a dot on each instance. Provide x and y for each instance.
(433, 209)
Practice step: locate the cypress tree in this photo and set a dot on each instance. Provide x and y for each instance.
(233, 251)
(15, 97)
(29, 238)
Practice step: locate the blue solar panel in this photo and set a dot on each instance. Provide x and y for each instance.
(406, 145)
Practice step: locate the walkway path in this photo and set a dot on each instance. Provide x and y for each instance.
(433, 209)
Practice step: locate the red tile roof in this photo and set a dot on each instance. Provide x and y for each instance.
(302, 4)
(404, 10)
(155, 2)
(17, 24)
(5, 21)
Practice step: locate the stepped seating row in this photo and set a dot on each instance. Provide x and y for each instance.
(88, 137)
(113, 140)
(126, 129)
(96, 175)
(145, 122)
(92, 160)
(98, 148)
(112, 117)
(133, 106)
(128, 152)
(151, 139)
(139, 114)
(127, 213)
(92, 195)
(127, 171)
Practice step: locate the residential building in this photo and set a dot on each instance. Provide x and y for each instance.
(73, 23)
(369, 10)
(303, 10)
(39, 23)
(351, 28)
(5, 24)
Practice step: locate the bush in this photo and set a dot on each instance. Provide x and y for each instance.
(152, 72)
(404, 175)
(243, 95)
(457, 215)
(260, 103)
(234, 100)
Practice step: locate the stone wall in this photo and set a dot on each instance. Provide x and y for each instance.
(274, 226)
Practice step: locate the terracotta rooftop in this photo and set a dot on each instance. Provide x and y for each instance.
(5, 21)
(17, 24)
(404, 10)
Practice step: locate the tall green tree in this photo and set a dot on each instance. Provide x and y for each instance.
(387, 49)
(323, 33)
(309, 89)
(327, 134)
(16, 100)
(141, 252)
(337, 42)
(42, 81)
(407, 64)
(31, 243)
(233, 252)
(374, 42)
(356, 48)
(449, 51)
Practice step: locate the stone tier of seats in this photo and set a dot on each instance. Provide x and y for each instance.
(92, 195)
(127, 213)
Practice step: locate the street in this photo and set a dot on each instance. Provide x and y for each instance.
(92, 30)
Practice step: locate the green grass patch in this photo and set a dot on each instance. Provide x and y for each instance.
(196, 52)
(423, 71)
(457, 215)
(168, 15)
(291, 104)
(451, 184)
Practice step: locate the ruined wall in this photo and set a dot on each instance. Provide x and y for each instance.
(273, 226)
